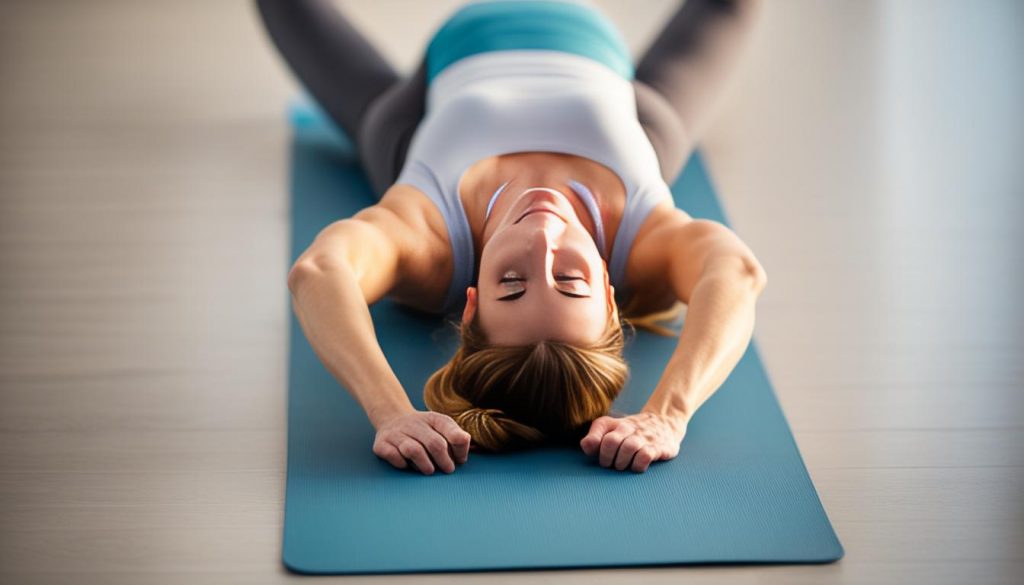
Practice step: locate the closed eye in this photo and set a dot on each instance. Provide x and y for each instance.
(516, 295)
(559, 278)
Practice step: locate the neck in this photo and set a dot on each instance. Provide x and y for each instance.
(523, 171)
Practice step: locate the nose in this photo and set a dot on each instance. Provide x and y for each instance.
(541, 244)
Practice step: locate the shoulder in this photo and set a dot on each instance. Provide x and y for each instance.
(406, 207)
(417, 228)
(647, 263)
(668, 237)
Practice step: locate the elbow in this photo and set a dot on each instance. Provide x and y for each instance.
(741, 271)
(308, 268)
(755, 273)
(302, 271)
(297, 275)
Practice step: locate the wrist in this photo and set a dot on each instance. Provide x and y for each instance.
(383, 412)
(676, 405)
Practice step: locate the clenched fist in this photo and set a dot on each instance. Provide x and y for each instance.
(424, 438)
(634, 441)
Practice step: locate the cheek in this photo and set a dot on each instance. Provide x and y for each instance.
(597, 323)
(488, 257)
(497, 248)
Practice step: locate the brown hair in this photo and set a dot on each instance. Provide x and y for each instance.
(513, 397)
(509, 397)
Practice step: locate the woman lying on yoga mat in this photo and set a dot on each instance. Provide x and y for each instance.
(523, 176)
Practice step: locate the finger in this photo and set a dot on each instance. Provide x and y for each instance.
(414, 451)
(436, 446)
(643, 458)
(389, 453)
(598, 428)
(457, 438)
(610, 446)
(627, 450)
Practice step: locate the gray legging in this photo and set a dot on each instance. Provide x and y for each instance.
(676, 80)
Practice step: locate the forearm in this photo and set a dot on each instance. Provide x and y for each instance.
(717, 330)
(334, 314)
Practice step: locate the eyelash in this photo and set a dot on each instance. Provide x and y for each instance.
(558, 277)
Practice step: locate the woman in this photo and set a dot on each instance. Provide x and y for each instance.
(523, 173)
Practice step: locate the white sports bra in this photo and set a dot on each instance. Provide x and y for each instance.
(528, 100)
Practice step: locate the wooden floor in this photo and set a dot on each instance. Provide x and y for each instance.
(871, 155)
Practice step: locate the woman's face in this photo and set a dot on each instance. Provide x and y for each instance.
(541, 275)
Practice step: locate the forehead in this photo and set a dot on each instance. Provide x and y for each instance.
(577, 321)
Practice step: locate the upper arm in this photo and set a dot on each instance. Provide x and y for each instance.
(369, 244)
(676, 250)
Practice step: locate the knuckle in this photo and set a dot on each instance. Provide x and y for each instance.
(633, 442)
(614, 437)
(443, 421)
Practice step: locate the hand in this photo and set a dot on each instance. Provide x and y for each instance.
(634, 441)
(425, 439)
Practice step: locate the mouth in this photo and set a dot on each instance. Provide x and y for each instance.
(539, 210)
(543, 199)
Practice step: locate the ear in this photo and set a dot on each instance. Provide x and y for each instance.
(610, 291)
(470, 311)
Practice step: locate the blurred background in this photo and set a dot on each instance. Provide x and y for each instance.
(870, 153)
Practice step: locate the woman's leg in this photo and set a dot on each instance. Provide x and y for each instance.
(335, 63)
(664, 129)
(390, 122)
(683, 72)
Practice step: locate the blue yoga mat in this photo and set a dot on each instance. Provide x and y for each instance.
(737, 493)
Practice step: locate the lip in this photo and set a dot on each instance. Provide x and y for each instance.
(543, 200)
(539, 209)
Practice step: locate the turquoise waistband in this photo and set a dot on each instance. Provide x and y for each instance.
(503, 25)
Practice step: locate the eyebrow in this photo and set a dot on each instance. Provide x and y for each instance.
(516, 295)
